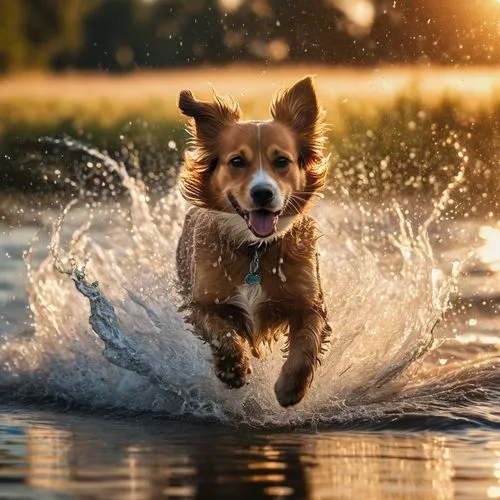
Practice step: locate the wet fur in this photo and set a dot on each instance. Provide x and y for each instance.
(216, 245)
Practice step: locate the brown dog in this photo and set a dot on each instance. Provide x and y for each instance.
(247, 259)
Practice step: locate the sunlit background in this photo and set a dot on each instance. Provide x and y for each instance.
(131, 34)
(412, 94)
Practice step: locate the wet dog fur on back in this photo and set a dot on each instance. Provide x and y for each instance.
(247, 258)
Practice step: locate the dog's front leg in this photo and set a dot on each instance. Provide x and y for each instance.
(308, 332)
(220, 330)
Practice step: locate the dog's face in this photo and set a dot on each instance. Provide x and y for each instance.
(263, 172)
(258, 173)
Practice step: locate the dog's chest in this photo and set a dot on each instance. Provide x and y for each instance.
(251, 297)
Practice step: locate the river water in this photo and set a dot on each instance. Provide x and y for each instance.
(107, 394)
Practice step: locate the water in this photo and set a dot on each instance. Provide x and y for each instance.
(404, 403)
(48, 456)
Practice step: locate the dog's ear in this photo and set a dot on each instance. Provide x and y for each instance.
(297, 108)
(209, 117)
(208, 120)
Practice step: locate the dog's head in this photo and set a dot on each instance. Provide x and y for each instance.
(266, 172)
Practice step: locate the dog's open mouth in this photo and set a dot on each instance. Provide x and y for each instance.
(261, 222)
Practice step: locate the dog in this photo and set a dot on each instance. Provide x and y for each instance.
(247, 257)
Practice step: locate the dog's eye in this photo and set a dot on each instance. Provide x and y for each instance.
(237, 162)
(282, 162)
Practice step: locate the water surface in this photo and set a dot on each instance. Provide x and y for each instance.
(48, 455)
(405, 403)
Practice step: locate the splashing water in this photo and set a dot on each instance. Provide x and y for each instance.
(384, 294)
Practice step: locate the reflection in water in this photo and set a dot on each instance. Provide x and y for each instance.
(49, 454)
(144, 460)
(401, 466)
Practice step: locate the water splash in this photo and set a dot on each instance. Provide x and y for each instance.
(384, 294)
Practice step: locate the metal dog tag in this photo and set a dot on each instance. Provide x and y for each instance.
(252, 278)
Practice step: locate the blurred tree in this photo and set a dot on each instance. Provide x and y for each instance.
(313, 31)
(120, 35)
(126, 34)
(443, 32)
(114, 31)
(298, 30)
(13, 43)
(35, 32)
(186, 33)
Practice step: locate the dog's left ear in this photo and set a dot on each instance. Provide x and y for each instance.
(297, 108)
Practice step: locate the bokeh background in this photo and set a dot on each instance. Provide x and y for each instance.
(127, 35)
(411, 88)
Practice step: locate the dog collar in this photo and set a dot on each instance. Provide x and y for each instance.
(252, 278)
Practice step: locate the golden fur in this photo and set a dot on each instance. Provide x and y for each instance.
(217, 243)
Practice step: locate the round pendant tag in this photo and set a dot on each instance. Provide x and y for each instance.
(252, 279)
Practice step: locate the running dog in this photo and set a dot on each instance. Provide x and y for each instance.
(247, 258)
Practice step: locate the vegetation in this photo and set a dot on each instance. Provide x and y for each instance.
(405, 145)
(123, 35)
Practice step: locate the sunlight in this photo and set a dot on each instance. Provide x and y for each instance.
(360, 13)
(490, 251)
(230, 5)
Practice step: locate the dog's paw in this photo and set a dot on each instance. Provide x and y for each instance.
(232, 370)
(291, 387)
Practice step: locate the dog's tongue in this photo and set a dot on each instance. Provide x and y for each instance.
(262, 222)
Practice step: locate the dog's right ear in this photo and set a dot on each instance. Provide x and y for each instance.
(298, 108)
(209, 117)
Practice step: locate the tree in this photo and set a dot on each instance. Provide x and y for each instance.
(445, 32)
(36, 32)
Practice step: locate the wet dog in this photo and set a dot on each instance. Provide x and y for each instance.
(247, 258)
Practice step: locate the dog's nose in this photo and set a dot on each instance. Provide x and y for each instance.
(262, 195)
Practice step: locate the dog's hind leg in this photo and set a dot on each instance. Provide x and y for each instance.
(308, 334)
(229, 351)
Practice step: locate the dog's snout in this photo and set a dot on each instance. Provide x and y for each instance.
(262, 194)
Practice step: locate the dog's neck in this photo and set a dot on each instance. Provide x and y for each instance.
(249, 249)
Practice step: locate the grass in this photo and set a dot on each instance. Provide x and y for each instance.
(394, 132)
